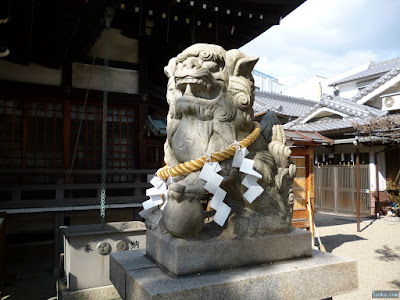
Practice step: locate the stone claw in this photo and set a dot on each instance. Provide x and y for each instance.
(175, 191)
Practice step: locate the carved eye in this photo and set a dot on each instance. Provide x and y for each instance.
(212, 66)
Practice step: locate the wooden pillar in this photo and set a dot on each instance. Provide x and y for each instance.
(25, 134)
(67, 135)
(358, 186)
(142, 156)
(58, 240)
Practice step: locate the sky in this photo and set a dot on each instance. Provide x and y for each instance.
(328, 37)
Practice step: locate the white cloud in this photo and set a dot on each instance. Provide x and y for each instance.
(325, 37)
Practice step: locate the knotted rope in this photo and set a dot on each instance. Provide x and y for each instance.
(196, 164)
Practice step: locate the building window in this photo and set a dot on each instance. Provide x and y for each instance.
(121, 130)
(44, 135)
(11, 134)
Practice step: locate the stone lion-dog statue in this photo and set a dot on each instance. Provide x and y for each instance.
(210, 94)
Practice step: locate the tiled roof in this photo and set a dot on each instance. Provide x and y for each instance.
(281, 104)
(377, 83)
(356, 113)
(373, 69)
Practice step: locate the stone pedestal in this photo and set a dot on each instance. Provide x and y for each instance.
(85, 267)
(321, 276)
(214, 250)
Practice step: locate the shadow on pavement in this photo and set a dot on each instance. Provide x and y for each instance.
(322, 220)
(372, 222)
(389, 254)
(333, 241)
(396, 283)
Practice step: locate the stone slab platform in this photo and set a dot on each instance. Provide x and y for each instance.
(204, 254)
(318, 277)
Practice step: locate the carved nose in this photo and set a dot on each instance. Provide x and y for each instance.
(191, 63)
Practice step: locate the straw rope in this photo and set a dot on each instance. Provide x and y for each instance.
(196, 164)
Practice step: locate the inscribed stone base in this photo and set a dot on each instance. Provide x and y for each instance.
(107, 292)
(203, 254)
(318, 277)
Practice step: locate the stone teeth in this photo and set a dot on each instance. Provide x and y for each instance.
(188, 91)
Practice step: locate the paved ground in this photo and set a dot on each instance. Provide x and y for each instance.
(376, 249)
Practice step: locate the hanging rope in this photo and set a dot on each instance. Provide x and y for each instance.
(104, 130)
(69, 171)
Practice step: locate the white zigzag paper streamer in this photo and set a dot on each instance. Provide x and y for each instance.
(156, 194)
(245, 165)
(209, 174)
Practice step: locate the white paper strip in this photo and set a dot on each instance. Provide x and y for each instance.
(222, 214)
(217, 199)
(144, 212)
(155, 193)
(238, 158)
(208, 169)
(213, 182)
(247, 167)
(152, 202)
(253, 193)
(250, 181)
(157, 181)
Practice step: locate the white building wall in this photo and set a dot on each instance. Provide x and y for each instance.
(372, 172)
(266, 83)
(326, 89)
(347, 90)
(308, 89)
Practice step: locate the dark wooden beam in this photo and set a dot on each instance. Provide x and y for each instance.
(111, 63)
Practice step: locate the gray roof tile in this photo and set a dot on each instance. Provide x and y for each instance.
(281, 104)
(373, 69)
(377, 83)
(356, 113)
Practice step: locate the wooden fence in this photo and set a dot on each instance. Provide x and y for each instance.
(62, 196)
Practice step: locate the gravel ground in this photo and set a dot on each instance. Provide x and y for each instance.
(376, 249)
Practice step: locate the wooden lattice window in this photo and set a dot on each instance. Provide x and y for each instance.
(11, 133)
(121, 134)
(44, 127)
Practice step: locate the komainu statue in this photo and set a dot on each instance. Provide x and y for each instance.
(210, 95)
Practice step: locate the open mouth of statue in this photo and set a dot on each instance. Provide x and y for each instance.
(198, 88)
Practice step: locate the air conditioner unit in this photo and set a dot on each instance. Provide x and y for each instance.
(391, 102)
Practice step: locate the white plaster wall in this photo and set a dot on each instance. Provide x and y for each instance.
(325, 83)
(120, 80)
(382, 171)
(32, 73)
(348, 89)
(121, 48)
(308, 89)
(372, 172)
